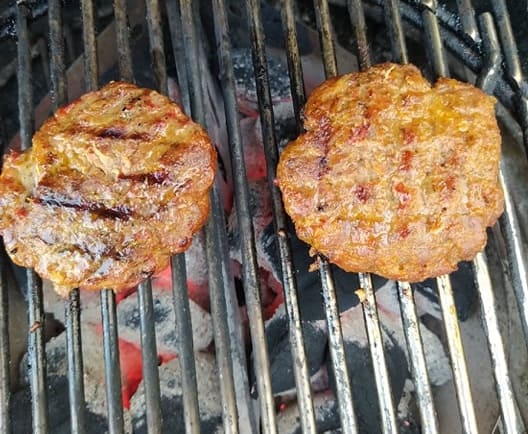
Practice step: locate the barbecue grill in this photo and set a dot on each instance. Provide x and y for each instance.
(480, 47)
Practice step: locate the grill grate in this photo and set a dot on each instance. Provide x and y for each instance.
(238, 413)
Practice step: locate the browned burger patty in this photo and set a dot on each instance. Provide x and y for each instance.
(393, 176)
(114, 184)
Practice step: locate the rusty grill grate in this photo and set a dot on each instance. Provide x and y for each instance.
(486, 52)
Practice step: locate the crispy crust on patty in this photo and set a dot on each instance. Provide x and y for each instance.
(114, 184)
(393, 176)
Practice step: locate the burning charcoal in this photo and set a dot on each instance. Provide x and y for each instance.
(164, 319)
(254, 157)
(260, 209)
(172, 401)
(268, 261)
(268, 244)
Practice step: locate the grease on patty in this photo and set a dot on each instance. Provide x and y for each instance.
(394, 176)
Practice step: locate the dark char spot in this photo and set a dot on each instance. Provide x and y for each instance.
(121, 212)
(150, 178)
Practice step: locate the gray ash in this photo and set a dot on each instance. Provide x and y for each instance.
(209, 399)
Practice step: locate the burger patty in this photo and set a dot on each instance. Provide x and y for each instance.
(394, 176)
(114, 184)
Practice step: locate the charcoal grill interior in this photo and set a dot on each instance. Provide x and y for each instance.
(479, 48)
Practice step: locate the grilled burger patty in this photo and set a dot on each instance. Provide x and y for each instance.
(113, 185)
(393, 176)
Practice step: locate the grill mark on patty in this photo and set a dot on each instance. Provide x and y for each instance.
(114, 132)
(150, 178)
(322, 138)
(120, 212)
(120, 133)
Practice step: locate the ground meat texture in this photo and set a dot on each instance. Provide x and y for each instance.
(113, 185)
(394, 176)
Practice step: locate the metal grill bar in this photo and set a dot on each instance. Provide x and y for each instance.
(394, 24)
(411, 327)
(388, 416)
(182, 311)
(487, 79)
(247, 240)
(58, 76)
(179, 275)
(322, 17)
(302, 376)
(337, 349)
(108, 302)
(72, 306)
(509, 46)
(111, 359)
(246, 415)
(221, 330)
(75, 362)
(516, 252)
(511, 419)
(156, 44)
(517, 257)
(457, 356)
(454, 340)
(175, 29)
(190, 49)
(469, 21)
(512, 423)
(124, 57)
(91, 71)
(149, 357)
(357, 19)
(185, 345)
(146, 307)
(218, 270)
(25, 93)
(381, 374)
(36, 356)
(5, 383)
(433, 39)
(294, 61)
(410, 322)
(180, 296)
